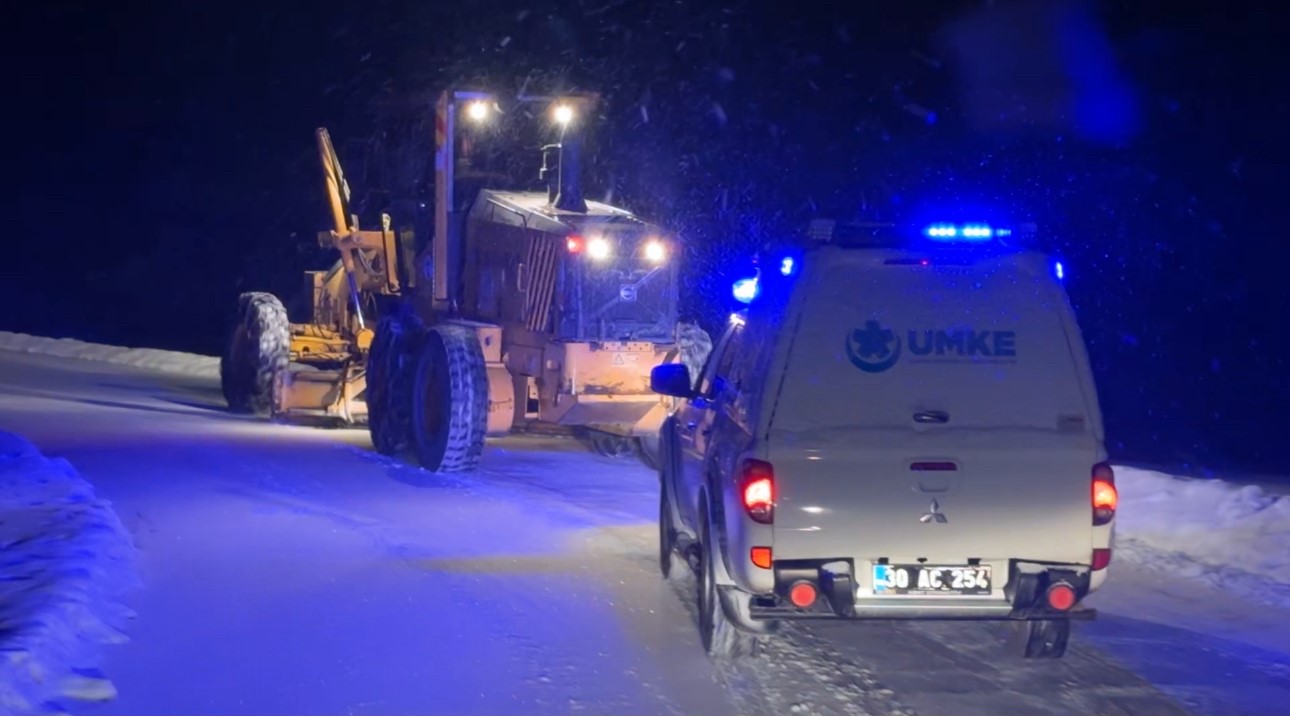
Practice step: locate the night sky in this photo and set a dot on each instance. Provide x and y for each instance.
(160, 158)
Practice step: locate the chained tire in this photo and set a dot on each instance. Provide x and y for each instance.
(647, 451)
(611, 445)
(391, 377)
(450, 401)
(259, 347)
(722, 638)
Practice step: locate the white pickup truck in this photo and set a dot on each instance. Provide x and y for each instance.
(895, 427)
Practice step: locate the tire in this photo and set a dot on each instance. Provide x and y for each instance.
(450, 401)
(259, 347)
(666, 532)
(391, 376)
(647, 448)
(609, 445)
(720, 637)
(1044, 639)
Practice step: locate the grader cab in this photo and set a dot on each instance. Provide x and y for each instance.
(527, 307)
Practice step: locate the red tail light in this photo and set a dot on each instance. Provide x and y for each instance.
(758, 481)
(1105, 497)
(761, 557)
(575, 244)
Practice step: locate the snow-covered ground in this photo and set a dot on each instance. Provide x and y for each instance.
(65, 560)
(1235, 537)
(291, 570)
(159, 359)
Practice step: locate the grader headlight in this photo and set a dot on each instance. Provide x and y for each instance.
(655, 251)
(598, 248)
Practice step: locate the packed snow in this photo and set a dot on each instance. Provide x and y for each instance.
(65, 561)
(1232, 535)
(159, 359)
(319, 577)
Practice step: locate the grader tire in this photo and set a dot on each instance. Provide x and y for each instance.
(391, 374)
(259, 347)
(450, 401)
(647, 451)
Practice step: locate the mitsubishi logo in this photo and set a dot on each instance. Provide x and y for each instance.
(934, 515)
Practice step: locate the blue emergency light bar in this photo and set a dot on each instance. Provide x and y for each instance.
(963, 232)
(826, 231)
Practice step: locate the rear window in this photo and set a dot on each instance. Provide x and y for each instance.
(978, 346)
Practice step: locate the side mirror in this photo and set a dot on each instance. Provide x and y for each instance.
(671, 379)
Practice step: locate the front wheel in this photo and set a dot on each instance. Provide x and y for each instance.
(259, 348)
(666, 533)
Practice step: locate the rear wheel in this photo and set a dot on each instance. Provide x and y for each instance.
(1043, 639)
(450, 400)
(259, 347)
(391, 375)
(721, 638)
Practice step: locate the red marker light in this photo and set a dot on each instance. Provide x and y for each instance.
(575, 244)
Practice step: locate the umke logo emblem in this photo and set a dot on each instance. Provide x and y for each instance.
(874, 348)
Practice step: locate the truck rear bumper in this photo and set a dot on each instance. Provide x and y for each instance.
(893, 609)
(829, 589)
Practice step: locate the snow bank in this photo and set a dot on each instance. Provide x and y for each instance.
(1234, 536)
(161, 360)
(64, 561)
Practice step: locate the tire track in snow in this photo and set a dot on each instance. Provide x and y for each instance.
(793, 672)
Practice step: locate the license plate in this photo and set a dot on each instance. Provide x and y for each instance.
(931, 580)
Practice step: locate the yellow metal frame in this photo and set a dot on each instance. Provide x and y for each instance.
(335, 342)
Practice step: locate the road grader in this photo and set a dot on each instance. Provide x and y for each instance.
(525, 308)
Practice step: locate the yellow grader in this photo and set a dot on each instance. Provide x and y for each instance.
(526, 307)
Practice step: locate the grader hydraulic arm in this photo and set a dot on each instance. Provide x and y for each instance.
(316, 369)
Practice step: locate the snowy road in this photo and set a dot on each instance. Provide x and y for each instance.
(292, 570)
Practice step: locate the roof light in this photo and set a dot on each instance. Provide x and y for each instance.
(786, 266)
(477, 110)
(598, 248)
(964, 232)
(655, 251)
(745, 290)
